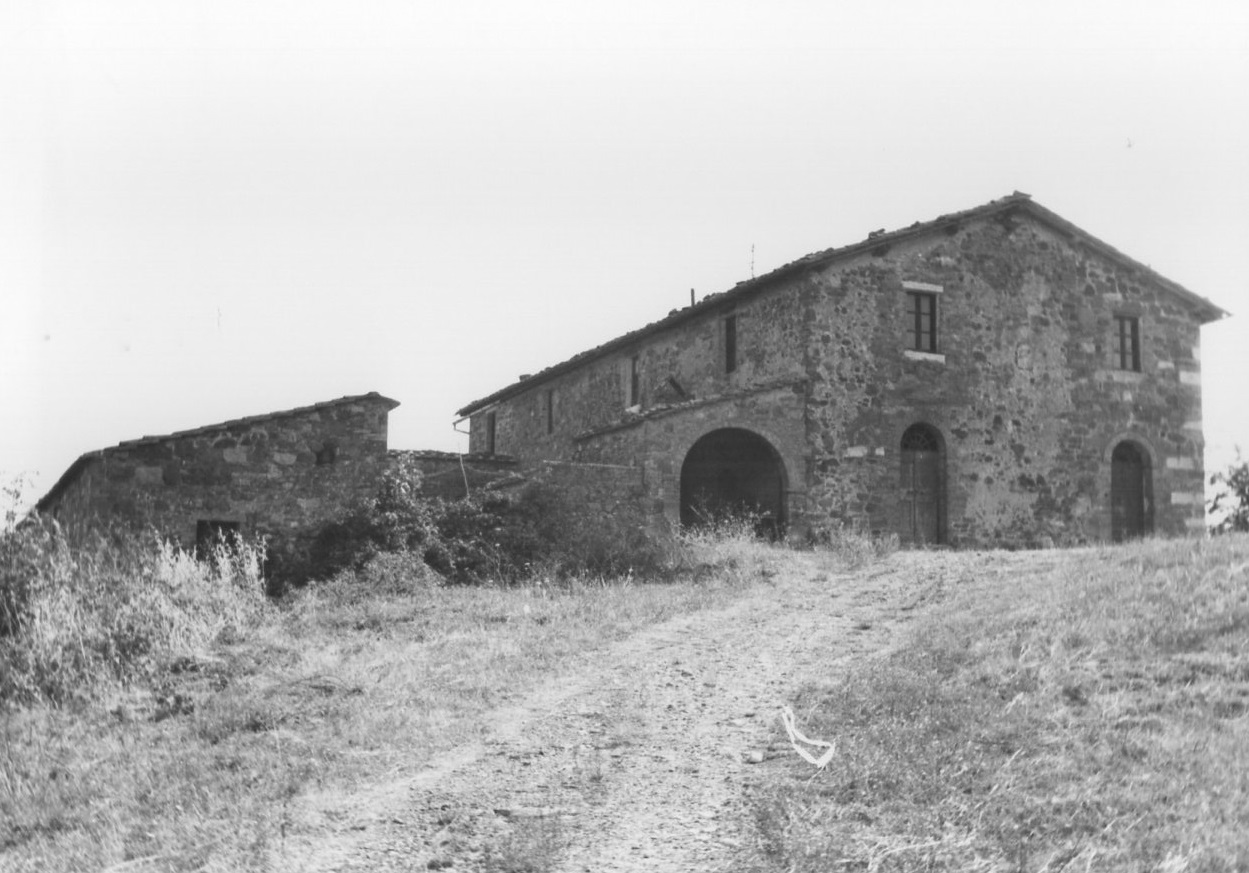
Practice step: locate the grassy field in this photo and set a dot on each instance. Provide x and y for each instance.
(341, 685)
(1089, 714)
(1083, 710)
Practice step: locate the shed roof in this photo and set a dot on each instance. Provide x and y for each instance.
(76, 468)
(1203, 309)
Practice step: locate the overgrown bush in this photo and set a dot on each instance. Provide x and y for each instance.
(489, 537)
(1230, 504)
(117, 608)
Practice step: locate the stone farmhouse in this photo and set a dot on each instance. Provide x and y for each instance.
(993, 377)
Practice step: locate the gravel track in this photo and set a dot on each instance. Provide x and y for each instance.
(635, 762)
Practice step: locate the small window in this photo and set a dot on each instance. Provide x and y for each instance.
(635, 381)
(550, 410)
(730, 343)
(327, 455)
(209, 534)
(1128, 342)
(922, 320)
(491, 421)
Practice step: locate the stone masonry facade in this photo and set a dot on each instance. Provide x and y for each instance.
(278, 475)
(995, 377)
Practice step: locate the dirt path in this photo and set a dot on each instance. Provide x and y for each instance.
(636, 762)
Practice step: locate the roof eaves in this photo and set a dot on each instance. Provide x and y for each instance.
(372, 396)
(67, 478)
(75, 469)
(877, 242)
(742, 289)
(1206, 311)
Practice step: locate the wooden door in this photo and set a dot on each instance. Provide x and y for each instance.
(1127, 493)
(921, 496)
(922, 485)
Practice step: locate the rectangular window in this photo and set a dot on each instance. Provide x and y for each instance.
(922, 318)
(1128, 342)
(730, 343)
(490, 432)
(550, 410)
(635, 382)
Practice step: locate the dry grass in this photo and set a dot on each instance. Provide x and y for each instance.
(348, 682)
(1089, 713)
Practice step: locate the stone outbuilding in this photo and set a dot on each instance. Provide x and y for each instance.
(993, 377)
(278, 475)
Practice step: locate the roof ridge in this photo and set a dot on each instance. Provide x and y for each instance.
(252, 419)
(874, 241)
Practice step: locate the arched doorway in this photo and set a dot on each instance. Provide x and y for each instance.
(922, 483)
(1130, 493)
(729, 472)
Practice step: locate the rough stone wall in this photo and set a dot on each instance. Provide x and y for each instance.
(597, 395)
(262, 474)
(610, 497)
(660, 441)
(1024, 389)
(1028, 397)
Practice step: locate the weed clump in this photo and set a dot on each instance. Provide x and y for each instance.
(118, 607)
(492, 536)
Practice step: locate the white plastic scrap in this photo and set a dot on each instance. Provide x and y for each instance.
(795, 735)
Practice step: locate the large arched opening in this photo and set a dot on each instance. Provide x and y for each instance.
(922, 517)
(733, 472)
(1131, 492)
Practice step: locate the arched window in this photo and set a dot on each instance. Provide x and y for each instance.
(922, 514)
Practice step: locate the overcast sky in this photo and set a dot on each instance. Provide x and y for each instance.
(217, 209)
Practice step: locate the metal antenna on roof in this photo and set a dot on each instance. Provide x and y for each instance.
(691, 297)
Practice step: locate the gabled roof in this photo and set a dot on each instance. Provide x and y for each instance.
(1018, 202)
(76, 468)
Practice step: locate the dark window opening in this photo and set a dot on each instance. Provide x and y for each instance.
(730, 343)
(635, 382)
(490, 432)
(327, 454)
(922, 317)
(550, 410)
(209, 534)
(1128, 342)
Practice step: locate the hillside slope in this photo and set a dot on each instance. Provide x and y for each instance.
(1031, 711)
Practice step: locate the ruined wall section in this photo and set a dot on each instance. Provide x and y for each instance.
(278, 476)
(1024, 390)
(451, 476)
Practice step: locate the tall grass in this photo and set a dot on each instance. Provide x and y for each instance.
(346, 682)
(1088, 714)
(76, 619)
